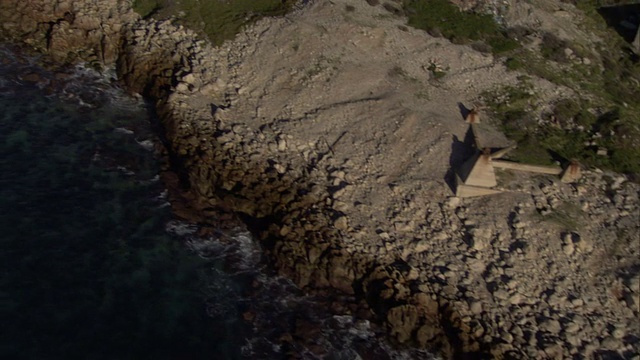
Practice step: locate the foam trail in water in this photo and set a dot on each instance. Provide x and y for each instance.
(274, 303)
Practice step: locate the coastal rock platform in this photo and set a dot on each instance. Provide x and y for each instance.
(326, 133)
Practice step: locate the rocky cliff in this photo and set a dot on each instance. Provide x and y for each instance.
(329, 134)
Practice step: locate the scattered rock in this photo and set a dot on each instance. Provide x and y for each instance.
(435, 256)
(550, 325)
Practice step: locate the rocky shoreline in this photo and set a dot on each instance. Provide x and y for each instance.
(489, 277)
(249, 172)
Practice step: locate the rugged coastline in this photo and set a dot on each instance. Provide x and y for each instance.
(343, 207)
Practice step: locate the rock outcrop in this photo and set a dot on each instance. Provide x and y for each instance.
(251, 172)
(539, 271)
(69, 30)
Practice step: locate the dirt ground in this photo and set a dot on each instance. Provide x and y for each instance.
(346, 126)
(386, 101)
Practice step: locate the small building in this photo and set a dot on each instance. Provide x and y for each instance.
(476, 176)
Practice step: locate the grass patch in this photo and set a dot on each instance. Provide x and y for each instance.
(221, 21)
(604, 114)
(607, 105)
(146, 7)
(399, 72)
(442, 18)
(567, 215)
(217, 20)
(573, 130)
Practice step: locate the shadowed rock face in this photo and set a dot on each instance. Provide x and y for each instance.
(625, 19)
(470, 275)
(229, 167)
(241, 170)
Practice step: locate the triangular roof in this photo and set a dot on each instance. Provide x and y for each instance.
(478, 171)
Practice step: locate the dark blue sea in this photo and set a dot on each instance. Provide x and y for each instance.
(93, 264)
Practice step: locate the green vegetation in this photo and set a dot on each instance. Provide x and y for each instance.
(567, 215)
(442, 18)
(437, 71)
(399, 72)
(605, 114)
(218, 20)
(146, 7)
(571, 131)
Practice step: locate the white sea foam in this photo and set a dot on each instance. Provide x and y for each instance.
(180, 228)
(277, 300)
(148, 145)
(124, 131)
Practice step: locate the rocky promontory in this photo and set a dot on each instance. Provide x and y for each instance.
(328, 133)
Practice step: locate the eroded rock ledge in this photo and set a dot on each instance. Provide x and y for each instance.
(255, 173)
(487, 277)
(233, 166)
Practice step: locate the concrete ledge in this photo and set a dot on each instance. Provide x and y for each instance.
(463, 190)
(551, 170)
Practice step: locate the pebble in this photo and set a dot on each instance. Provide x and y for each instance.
(554, 351)
(189, 78)
(282, 144)
(556, 300)
(572, 328)
(506, 336)
(182, 87)
(577, 302)
(618, 333)
(568, 249)
(551, 325)
(476, 307)
(470, 223)
(515, 299)
(501, 295)
(453, 202)
(584, 246)
(517, 332)
(611, 343)
(341, 223)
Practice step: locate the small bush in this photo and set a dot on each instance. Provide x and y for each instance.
(145, 7)
(513, 63)
(501, 43)
(482, 47)
(553, 48)
(565, 111)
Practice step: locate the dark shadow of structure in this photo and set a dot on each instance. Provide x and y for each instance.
(460, 152)
(464, 111)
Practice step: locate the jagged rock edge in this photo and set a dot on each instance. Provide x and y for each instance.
(392, 290)
(399, 299)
